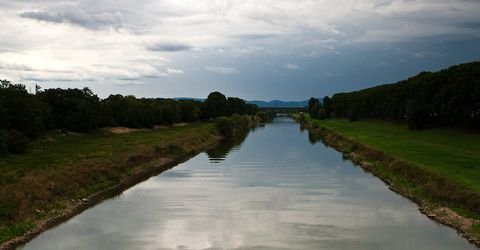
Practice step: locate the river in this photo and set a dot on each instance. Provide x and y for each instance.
(276, 190)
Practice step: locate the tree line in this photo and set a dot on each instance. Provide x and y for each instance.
(448, 97)
(25, 116)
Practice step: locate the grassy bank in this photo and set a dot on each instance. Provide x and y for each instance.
(452, 153)
(62, 172)
(437, 168)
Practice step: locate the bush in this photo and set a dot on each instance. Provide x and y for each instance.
(16, 142)
(241, 123)
(265, 116)
(225, 126)
(302, 118)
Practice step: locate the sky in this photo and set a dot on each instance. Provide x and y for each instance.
(253, 49)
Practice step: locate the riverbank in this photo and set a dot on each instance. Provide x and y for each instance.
(64, 174)
(434, 168)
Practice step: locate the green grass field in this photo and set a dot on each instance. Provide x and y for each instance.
(452, 153)
(57, 151)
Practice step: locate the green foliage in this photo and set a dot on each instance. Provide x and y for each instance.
(302, 118)
(242, 123)
(321, 114)
(416, 115)
(216, 105)
(225, 126)
(129, 111)
(237, 106)
(21, 111)
(190, 110)
(352, 114)
(233, 126)
(450, 96)
(265, 116)
(314, 107)
(251, 109)
(16, 142)
(80, 110)
(327, 106)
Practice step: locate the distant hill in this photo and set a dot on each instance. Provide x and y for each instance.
(262, 104)
(280, 104)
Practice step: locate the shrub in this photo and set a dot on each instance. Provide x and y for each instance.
(263, 116)
(302, 118)
(225, 126)
(241, 123)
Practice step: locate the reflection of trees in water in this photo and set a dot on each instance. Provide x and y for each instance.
(220, 152)
(314, 138)
(302, 128)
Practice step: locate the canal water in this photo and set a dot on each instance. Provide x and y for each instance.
(275, 190)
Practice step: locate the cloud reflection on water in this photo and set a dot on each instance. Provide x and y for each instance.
(277, 191)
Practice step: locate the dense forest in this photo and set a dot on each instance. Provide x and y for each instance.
(448, 97)
(25, 116)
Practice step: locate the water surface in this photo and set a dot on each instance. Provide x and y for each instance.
(275, 191)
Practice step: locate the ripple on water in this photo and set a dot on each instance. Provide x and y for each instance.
(275, 191)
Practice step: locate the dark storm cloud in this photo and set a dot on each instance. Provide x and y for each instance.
(77, 16)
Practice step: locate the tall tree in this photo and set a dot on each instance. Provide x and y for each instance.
(327, 106)
(314, 107)
(216, 105)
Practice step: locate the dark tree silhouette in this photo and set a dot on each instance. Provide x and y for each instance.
(314, 107)
(216, 105)
(327, 106)
(450, 96)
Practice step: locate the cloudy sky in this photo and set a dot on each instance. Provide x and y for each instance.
(254, 49)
